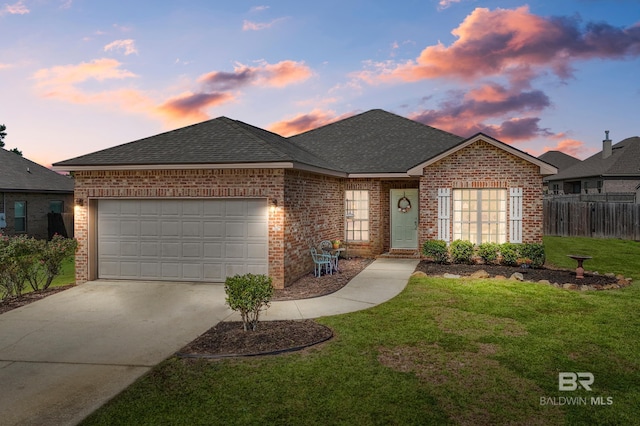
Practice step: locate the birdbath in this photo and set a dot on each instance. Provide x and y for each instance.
(579, 258)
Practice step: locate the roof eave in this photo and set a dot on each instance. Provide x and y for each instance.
(190, 166)
(392, 175)
(546, 169)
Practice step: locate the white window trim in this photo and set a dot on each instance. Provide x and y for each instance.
(349, 222)
(444, 214)
(515, 215)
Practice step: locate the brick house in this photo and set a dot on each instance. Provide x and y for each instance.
(28, 193)
(223, 197)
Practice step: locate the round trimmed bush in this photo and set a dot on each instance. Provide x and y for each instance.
(436, 250)
(461, 251)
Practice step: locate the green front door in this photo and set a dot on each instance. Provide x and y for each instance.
(404, 218)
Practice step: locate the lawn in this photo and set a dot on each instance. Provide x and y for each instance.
(444, 351)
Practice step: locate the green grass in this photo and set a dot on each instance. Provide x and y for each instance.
(442, 352)
(67, 273)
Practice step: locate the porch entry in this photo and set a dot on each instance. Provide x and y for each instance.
(404, 218)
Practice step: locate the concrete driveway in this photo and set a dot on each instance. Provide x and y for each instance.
(64, 356)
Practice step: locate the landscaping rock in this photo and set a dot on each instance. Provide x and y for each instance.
(569, 286)
(450, 276)
(500, 277)
(480, 274)
(547, 282)
(419, 274)
(517, 276)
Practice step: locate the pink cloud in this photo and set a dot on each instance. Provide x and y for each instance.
(259, 26)
(213, 89)
(128, 46)
(18, 8)
(277, 75)
(63, 77)
(190, 107)
(572, 147)
(304, 122)
(512, 42)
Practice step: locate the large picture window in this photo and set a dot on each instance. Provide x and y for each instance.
(357, 215)
(480, 215)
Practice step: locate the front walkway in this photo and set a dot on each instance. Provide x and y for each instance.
(64, 356)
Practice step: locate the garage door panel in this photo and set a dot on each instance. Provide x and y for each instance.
(150, 271)
(256, 230)
(171, 250)
(188, 240)
(130, 269)
(170, 228)
(149, 249)
(213, 251)
(234, 250)
(235, 230)
(192, 250)
(256, 251)
(191, 229)
(149, 228)
(213, 229)
(129, 249)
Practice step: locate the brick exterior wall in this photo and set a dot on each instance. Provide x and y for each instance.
(310, 207)
(482, 165)
(313, 212)
(218, 183)
(37, 209)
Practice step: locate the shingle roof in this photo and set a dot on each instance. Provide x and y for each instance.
(623, 161)
(559, 159)
(19, 174)
(218, 141)
(376, 141)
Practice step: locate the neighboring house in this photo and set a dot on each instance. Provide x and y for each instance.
(614, 170)
(559, 160)
(28, 193)
(223, 197)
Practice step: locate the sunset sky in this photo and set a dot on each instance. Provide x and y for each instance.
(78, 76)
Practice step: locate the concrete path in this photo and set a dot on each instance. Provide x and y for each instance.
(64, 356)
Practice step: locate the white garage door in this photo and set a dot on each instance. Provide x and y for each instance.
(182, 240)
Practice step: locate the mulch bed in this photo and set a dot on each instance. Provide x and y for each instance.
(560, 277)
(17, 302)
(228, 339)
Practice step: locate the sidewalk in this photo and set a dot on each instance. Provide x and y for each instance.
(380, 281)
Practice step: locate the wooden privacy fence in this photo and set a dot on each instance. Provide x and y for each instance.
(598, 220)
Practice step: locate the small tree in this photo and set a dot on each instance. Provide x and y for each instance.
(248, 294)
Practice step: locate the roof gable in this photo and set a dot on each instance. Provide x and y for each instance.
(19, 174)
(559, 159)
(376, 141)
(218, 141)
(545, 168)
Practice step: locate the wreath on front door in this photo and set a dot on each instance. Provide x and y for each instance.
(404, 204)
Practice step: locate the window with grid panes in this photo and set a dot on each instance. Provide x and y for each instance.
(480, 215)
(357, 215)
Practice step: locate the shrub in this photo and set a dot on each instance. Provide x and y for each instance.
(248, 294)
(436, 250)
(488, 252)
(461, 251)
(27, 260)
(509, 253)
(52, 256)
(535, 252)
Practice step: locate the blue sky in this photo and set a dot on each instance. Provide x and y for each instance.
(77, 76)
